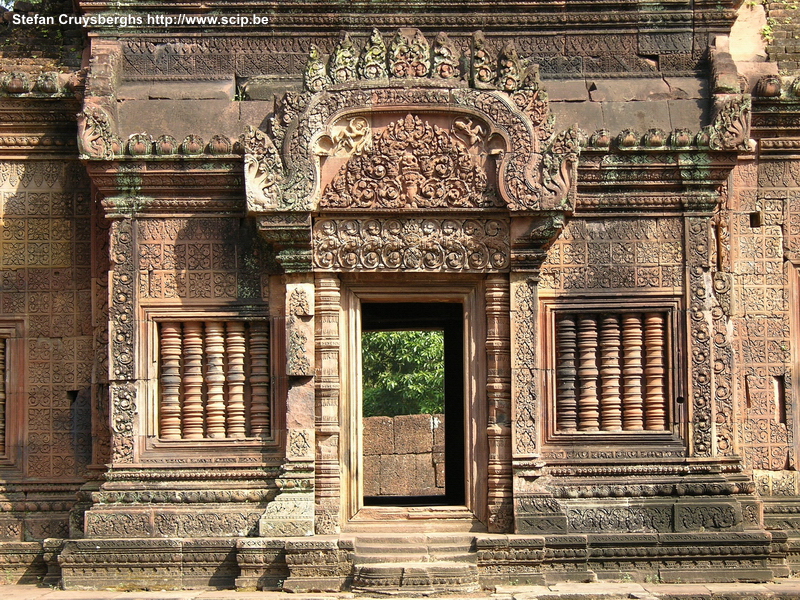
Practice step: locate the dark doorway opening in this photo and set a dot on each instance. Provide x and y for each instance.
(448, 462)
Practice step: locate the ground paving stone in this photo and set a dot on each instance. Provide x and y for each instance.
(783, 590)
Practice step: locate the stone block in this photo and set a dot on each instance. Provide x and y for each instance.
(122, 563)
(262, 563)
(22, 562)
(627, 90)
(413, 434)
(637, 115)
(688, 87)
(567, 90)
(267, 87)
(372, 474)
(407, 475)
(708, 516)
(378, 435)
(184, 90)
(688, 113)
(587, 115)
(438, 466)
(438, 426)
(179, 119)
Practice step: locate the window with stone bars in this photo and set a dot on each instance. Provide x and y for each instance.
(213, 379)
(612, 371)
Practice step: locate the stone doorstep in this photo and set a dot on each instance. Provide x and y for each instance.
(432, 577)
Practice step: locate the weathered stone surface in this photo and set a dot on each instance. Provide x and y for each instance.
(378, 435)
(413, 434)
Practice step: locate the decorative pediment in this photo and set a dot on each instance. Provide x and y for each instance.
(414, 164)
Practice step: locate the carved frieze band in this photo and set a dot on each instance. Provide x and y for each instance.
(122, 339)
(411, 244)
(700, 337)
(523, 366)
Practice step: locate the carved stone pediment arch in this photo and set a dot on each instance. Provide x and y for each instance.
(534, 171)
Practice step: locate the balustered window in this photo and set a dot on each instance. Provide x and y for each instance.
(214, 379)
(612, 371)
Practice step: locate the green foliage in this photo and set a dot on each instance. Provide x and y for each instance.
(403, 372)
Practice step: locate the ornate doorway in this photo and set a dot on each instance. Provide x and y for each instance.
(455, 309)
(412, 392)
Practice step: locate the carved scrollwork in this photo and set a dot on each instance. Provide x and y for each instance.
(414, 165)
(409, 54)
(263, 171)
(343, 61)
(446, 58)
(731, 127)
(123, 409)
(314, 77)
(373, 58)
(411, 244)
(560, 163)
(95, 139)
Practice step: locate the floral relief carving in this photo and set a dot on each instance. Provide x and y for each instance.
(263, 169)
(95, 139)
(700, 339)
(298, 363)
(415, 165)
(411, 244)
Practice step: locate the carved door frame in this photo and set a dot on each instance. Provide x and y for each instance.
(413, 287)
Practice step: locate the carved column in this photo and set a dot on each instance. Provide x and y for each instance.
(193, 419)
(610, 400)
(588, 402)
(328, 483)
(215, 379)
(170, 409)
(259, 379)
(121, 333)
(235, 349)
(291, 513)
(498, 391)
(566, 400)
(654, 401)
(3, 391)
(632, 404)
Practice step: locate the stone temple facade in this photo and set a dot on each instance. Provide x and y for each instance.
(598, 199)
